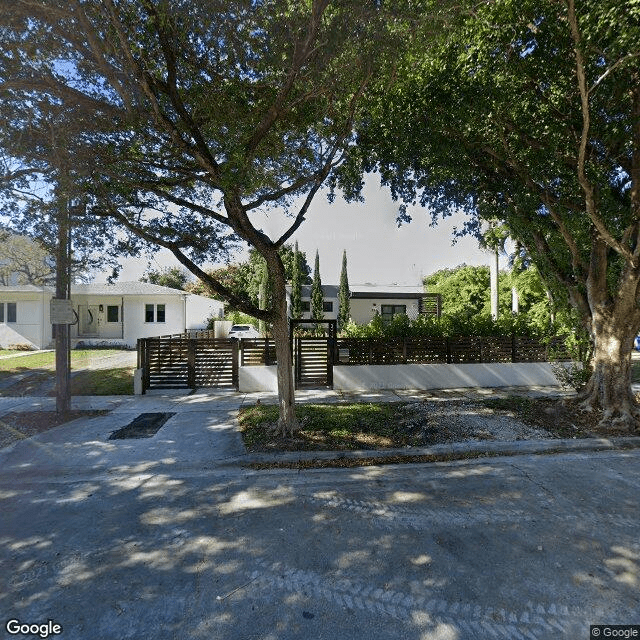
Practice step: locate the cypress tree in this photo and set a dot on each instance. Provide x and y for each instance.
(344, 310)
(296, 285)
(316, 292)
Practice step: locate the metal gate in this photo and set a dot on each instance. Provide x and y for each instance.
(313, 356)
(314, 366)
(178, 362)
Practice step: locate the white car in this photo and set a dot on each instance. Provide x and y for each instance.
(238, 331)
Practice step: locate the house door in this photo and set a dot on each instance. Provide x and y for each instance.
(88, 315)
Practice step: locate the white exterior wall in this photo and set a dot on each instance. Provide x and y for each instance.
(261, 378)
(327, 315)
(134, 317)
(104, 330)
(200, 309)
(415, 376)
(362, 310)
(32, 325)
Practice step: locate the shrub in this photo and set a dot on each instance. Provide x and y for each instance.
(446, 326)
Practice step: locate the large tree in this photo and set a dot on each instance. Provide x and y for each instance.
(529, 113)
(203, 116)
(24, 261)
(172, 277)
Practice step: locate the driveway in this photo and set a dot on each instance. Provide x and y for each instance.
(171, 537)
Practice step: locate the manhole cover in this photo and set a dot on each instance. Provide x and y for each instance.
(145, 425)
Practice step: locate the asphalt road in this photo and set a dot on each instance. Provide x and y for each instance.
(535, 547)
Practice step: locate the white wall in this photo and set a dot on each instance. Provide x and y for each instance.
(32, 324)
(415, 376)
(362, 310)
(327, 315)
(200, 309)
(443, 376)
(134, 317)
(260, 378)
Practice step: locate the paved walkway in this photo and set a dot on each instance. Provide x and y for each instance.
(202, 432)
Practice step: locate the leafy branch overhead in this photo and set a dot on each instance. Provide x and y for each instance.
(529, 113)
(193, 120)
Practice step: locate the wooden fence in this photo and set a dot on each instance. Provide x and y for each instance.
(179, 362)
(190, 361)
(454, 350)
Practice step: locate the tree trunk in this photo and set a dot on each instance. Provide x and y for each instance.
(287, 422)
(609, 388)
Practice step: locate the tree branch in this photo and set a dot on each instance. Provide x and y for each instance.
(240, 303)
(585, 183)
(302, 52)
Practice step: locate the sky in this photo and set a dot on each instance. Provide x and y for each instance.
(378, 252)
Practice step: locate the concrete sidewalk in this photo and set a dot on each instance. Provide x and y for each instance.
(202, 432)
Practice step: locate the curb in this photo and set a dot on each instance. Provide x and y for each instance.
(446, 452)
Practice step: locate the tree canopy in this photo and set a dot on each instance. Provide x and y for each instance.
(529, 112)
(172, 277)
(190, 120)
(23, 261)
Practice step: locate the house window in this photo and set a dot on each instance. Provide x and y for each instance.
(154, 313)
(327, 306)
(11, 312)
(390, 310)
(306, 306)
(113, 313)
(1, 311)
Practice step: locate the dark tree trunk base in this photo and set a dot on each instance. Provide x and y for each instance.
(620, 408)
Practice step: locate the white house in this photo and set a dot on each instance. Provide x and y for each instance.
(106, 314)
(367, 299)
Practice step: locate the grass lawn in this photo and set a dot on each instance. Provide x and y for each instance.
(335, 426)
(46, 360)
(105, 382)
(9, 352)
(37, 373)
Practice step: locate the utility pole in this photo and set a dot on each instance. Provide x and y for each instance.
(61, 307)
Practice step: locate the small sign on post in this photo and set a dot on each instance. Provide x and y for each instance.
(61, 311)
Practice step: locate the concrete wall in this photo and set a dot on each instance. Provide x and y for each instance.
(258, 379)
(442, 376)
(415, 376)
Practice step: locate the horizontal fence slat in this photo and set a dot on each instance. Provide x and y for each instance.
(453, 350)
(184, 361)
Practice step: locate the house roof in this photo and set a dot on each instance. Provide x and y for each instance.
(328, 290)
(132, 288)
(368, 291)
(385, 291)
(24, 288)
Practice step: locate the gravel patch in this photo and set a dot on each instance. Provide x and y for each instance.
(460, 421)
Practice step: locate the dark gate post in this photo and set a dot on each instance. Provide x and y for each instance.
(191, 363)
(234, 364)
